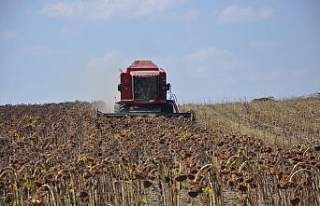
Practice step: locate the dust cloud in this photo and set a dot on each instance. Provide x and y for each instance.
(98, 81)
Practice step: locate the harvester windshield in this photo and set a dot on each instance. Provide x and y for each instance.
(145, 88)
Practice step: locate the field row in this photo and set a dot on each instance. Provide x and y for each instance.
(63, 154)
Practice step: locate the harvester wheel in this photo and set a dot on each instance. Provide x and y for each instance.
(117, 107)
(168, 108)
(122, 109)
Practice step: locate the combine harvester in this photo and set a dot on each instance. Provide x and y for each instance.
(143, 91)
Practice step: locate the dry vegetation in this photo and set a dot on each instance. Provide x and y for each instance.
(258, 153)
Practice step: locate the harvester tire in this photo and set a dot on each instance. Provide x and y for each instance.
(122, 109)
(168, 108)
(117, 108)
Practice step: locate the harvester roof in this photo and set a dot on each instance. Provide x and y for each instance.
(143, 64)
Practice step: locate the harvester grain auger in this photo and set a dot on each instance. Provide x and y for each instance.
(143, 91)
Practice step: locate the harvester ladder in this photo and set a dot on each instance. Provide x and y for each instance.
(174, 102)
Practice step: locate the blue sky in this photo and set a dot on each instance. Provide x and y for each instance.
(212, 50)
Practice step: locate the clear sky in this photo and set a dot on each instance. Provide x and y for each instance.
(213, 50)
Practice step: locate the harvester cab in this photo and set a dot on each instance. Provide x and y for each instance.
(144, 90)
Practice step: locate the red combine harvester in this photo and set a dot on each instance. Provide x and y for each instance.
(143, 90)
